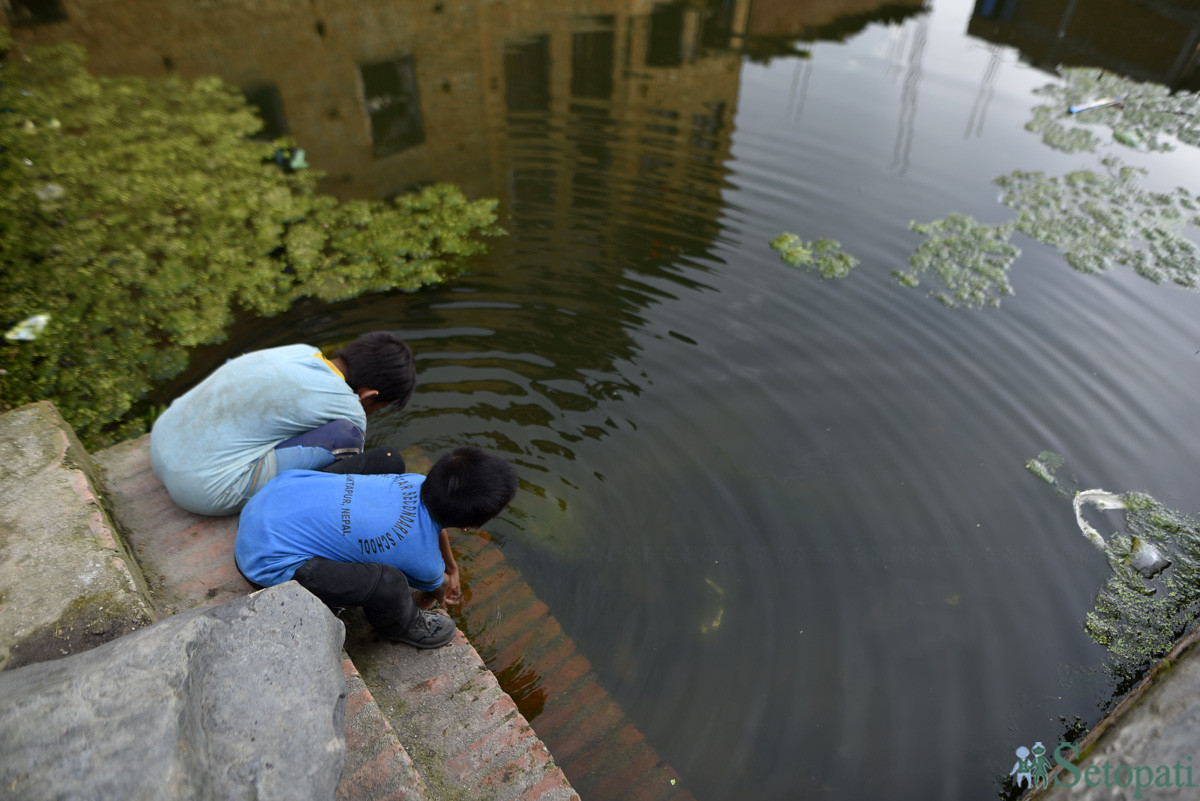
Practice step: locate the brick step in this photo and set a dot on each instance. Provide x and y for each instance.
(376, 766)
(187, 559)
(465, 735)
(600, 750)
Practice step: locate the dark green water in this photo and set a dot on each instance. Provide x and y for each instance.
(788, 520)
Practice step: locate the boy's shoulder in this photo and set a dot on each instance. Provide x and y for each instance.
(267, 364)
(378, 482)
(299, 353)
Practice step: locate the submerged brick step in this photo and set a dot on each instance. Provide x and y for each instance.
(601, 751)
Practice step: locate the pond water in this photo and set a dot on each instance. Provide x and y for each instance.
(788, 519)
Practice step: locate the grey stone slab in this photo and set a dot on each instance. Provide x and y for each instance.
(67, 580)
(244, 700)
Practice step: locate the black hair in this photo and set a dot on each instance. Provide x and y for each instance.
(380, 360)
(468, 487)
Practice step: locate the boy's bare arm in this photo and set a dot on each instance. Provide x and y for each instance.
(451, 584)
(450, 592)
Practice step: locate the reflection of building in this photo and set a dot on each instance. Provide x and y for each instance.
(826, 19)
(604, 126)
(1150, 40)
(384, 95)
(776, 24)
(605, 100)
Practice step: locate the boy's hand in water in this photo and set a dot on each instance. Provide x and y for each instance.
(449, 593)
(452, 588)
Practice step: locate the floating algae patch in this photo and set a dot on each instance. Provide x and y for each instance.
(1139, 620)
(1045, 466)
(972, 260)
(1152, 595)
(824, 255)
(1098, 220)
(1142, 116)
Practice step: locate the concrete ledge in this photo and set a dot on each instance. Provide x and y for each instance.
(67, 581)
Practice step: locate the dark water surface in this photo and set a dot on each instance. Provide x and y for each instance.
(788, 520)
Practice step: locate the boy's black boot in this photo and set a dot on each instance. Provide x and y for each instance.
(429, 630)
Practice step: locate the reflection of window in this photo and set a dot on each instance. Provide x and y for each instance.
(35, 12)
(533, 199)
(390, 93)
(987, 9)
(533, 185)
(718, 22)
(265, 97)
(527, 74)
(592, 64)
(591, 129)
(665, 45)
(707, 127)
(653, 165)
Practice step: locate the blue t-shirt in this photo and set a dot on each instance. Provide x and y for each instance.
(205, 445)
(300, 514)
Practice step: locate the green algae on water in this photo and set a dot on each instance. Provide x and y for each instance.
(1097, 218)
(972, 259)
(1149, 116)
(1137, 619)
(824, 255)
(1101, 219)
(1140, 621)
(1045, 466)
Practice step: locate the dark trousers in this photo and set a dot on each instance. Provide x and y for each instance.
(373, 462)
(344, 441)
(381, 590)
(334, 436)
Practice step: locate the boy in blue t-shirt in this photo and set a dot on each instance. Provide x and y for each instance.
(369, 540)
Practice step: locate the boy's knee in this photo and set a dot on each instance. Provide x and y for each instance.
(344, 436)
(335, 436)
(378, 461)
(392, 585)
(389, 608)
